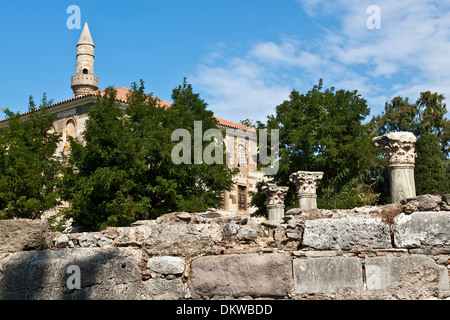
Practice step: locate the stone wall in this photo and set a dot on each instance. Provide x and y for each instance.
(366, 253)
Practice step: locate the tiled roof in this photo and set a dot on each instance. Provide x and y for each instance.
(122, 97)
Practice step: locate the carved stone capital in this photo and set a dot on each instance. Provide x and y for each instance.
(398, 147)
(275, 194)
(306, 181)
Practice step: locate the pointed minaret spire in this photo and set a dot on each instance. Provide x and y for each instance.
(86, 37)
(85, 81)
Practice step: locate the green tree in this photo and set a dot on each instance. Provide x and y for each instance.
(322, 130)
(430, 174)
(125, 170)
(28, 163)
(425, 117)
(427, 114)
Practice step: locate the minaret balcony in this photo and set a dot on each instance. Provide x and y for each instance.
(85, 79)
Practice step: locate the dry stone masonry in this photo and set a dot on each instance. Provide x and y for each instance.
(394, 251)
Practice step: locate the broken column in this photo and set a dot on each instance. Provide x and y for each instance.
(306, 183)
(399, 150)
(275, 197)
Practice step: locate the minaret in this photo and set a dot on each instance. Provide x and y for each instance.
(85, 81)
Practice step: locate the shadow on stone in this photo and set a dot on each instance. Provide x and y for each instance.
(104, 274)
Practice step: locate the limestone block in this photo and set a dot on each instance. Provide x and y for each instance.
(163, 289)
(422, 229)
(327, 275)
(247, 234)
(166, 265)
(104, 274)
(23, 234)
(425, 202)
(346, 233)
(181, 239)
(238, 275)
(382, 272)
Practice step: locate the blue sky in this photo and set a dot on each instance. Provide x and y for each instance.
(243, 57)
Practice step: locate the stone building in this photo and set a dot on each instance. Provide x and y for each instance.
(70, 118)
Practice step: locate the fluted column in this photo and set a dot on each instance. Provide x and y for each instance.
(306, 183)
(275, 197)
(399, 150)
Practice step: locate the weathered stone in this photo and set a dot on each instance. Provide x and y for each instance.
(346, 233)
(411, 206)
(23, 234)
(180, 239)
(230, 230)
(62, 241)
(247, 234)
(327, 275)
(292, 235)
(174, 218)
(166, 265)
(419, 283)
(271, 224)
(382, 272)
(425, 202)
(443, 259)
(105, 274)
(422, 229)
(446, 198)
(316, 254)
(144, 223)
(254, 275)
(104, 241)
(185, 216)
(129, 236)
(444, 206)
(163, 289)
(86, 241)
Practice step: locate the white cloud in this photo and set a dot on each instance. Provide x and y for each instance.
(408, 55)
(240, 89)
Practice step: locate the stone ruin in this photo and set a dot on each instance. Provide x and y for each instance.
(399, 251)
(395, 251)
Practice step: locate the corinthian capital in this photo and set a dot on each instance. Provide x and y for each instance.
(275, 194)
(305, 181)
(398, 147)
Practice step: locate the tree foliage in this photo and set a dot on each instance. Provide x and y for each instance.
(426, 115)
(322, 130)
(125, 172)
(430, 174)
(28, 165)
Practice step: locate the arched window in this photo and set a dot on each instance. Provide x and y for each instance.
(85, 71)
(241, 163)
(71, 129)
